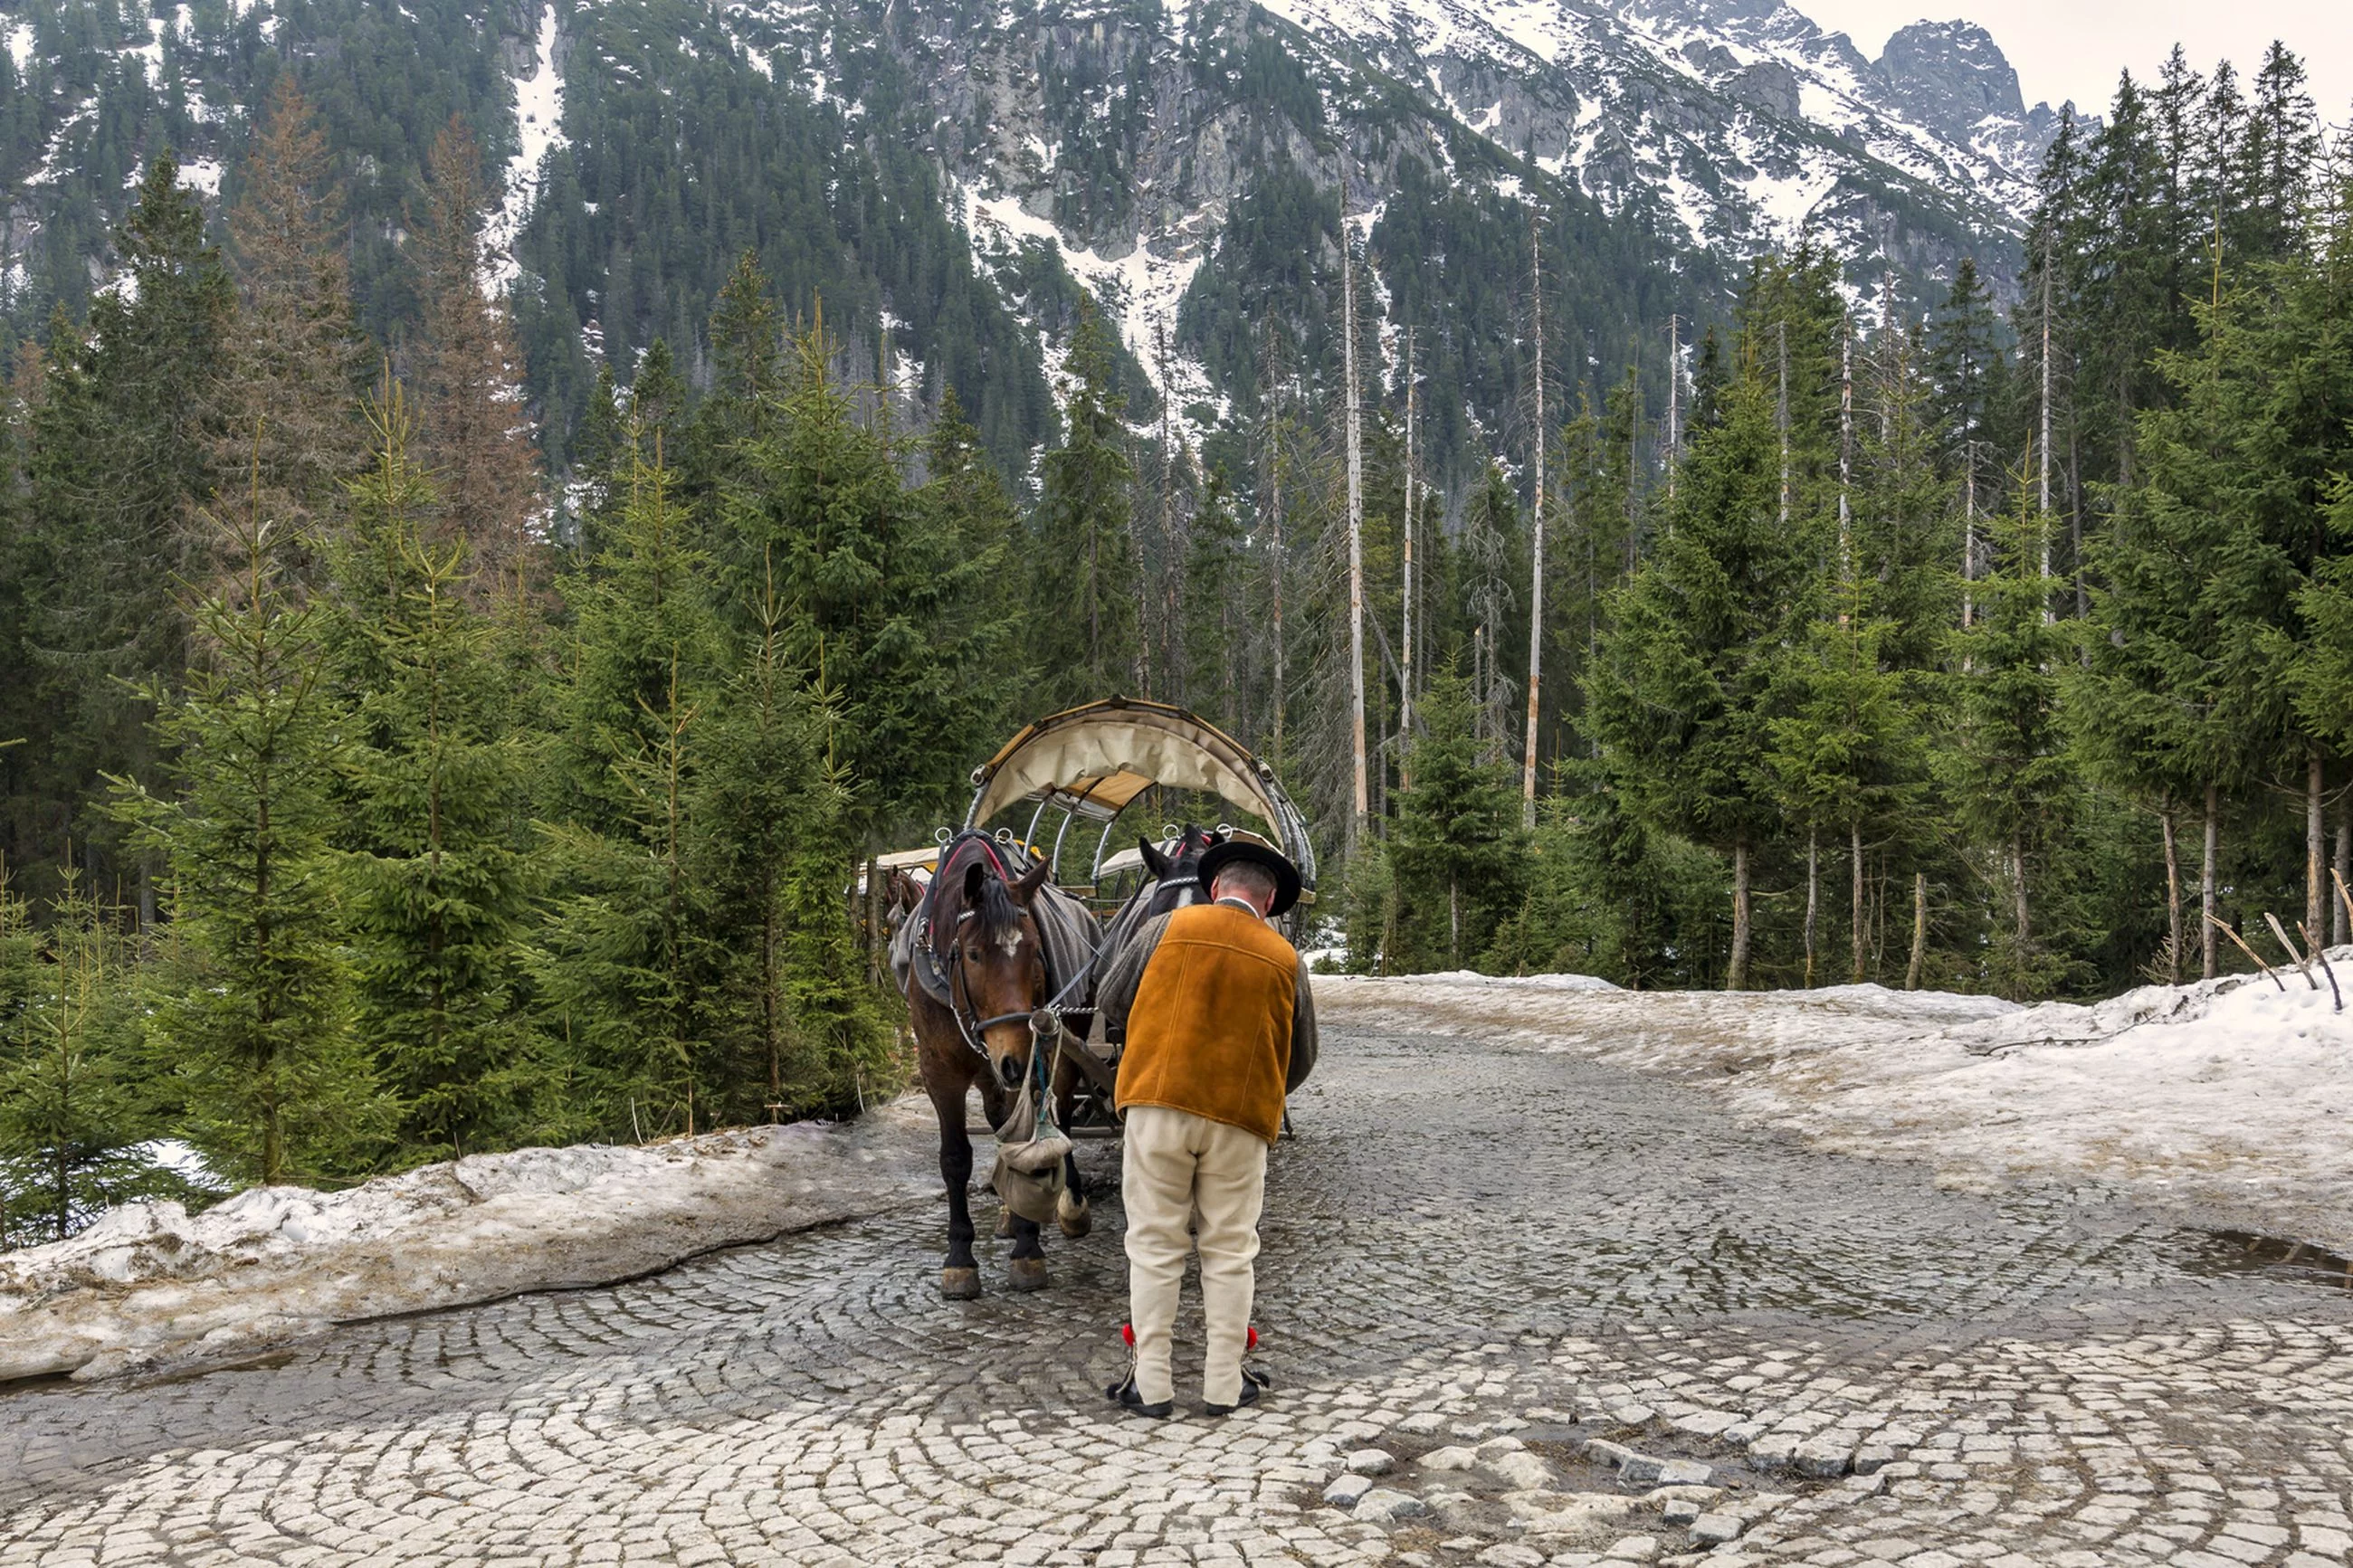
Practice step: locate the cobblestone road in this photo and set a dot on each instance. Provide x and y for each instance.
(1580, 1318)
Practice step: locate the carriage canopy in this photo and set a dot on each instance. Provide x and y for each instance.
(1091, 761)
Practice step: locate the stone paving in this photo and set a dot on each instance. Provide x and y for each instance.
(1521, 1308)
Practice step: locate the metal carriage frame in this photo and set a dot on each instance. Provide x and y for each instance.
(1092, 762)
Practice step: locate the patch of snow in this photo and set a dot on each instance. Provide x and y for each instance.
(2230, 1098)
(148, 1284)
(1140, 290)
(202, 174)
(20, 45)
(538, 121)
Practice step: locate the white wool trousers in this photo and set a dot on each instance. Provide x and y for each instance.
(1185, 1173)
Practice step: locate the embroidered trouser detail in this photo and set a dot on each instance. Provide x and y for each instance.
(1184, 1171)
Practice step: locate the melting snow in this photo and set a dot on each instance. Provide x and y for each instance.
(2229, 1097)
(149, 1284)
(1140, 290)
(20, 44)
(539, 120)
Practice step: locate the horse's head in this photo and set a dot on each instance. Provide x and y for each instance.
(999, 963)
(901, 897)
(1176, 874)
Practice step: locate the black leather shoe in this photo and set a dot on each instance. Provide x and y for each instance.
(1252, 1384)
(1124, 1396)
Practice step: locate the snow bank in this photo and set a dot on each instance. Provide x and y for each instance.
(2229, 1099)
(148, 1285)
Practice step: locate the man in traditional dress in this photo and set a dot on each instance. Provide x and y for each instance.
(1221, 1026)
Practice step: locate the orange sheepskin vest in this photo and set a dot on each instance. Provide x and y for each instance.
(1211, 1029)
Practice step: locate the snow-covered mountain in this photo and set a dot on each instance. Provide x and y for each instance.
(1724, 126)
(1179, 159)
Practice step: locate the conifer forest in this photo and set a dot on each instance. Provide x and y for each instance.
(424, 732)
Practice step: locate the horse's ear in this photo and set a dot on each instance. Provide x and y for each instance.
(972, 876)
(1025, 886)
(1154, 860)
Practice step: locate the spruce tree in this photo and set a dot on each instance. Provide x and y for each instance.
(790, 1008)
(474, 428)
(2006, 768)
(289, 417)
(1458, 850)
(1682, 695)
(436, 890)
(1083, 627)
(119, 459)
(254, 1016)
(891, 606)
(621, 966)
(76, 1109)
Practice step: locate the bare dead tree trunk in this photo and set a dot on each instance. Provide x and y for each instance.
(1912, 972)
(874, 922)
(1736, 977)
(1781, 418)
(1813, 895)
(2339, 933)
(2172, 898)
(1854, 855)
(1674, 398)
(2315, 845)
(2024, 911)
(1536, 543)
(1454, 918)
(1405, 655)
(2206, 879)
(1361, 799)
(1969, 540)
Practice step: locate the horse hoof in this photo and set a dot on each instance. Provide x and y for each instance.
(960, 1284)
(1026, 1274)
(1076, 1219)
(1004, 1224)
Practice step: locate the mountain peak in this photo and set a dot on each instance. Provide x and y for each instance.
(1950, 76)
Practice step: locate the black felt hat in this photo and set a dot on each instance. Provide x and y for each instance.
(1242, 851)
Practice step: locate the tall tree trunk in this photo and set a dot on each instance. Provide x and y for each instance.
(2206, 879)
(2315, 849)
(1854, 855)
(1780, 419)
(2172, 898)
(1813, 895)
(2024, 911)
(874, 921)
(1405, 654)
(1361, 799)
(2339, 933)
(1969, 544)
(1536, 554)
(1454, 918)
(1919, 931)
(1736, 977)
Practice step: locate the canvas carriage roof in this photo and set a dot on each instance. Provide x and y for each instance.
(1093, 761)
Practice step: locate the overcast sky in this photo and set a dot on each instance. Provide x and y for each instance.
(2074, 48)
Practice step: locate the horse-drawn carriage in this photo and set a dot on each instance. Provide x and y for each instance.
(998, 948)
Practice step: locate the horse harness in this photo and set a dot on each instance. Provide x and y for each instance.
(1044, 1021)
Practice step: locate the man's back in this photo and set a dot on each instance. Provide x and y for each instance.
(1211, 1027)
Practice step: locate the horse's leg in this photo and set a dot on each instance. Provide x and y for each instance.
(1072, 1213)
(1026, 1268)
(960, 1278)
(996, 1105)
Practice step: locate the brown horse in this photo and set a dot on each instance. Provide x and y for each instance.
(991, 943)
